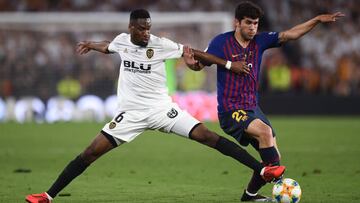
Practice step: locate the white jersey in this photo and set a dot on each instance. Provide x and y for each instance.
(142, 77)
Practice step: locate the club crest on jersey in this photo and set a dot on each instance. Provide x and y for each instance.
(172, 113)
(150, 53)
(112, 125)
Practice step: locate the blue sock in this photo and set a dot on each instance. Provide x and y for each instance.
(269, 156)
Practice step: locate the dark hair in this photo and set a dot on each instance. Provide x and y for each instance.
(139, 13)
(248, 9)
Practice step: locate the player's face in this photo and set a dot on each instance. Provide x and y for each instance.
(140, 31)
(247, 27)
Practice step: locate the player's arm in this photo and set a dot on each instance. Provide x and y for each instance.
(301, 29)
(196, 59)
(85, 46)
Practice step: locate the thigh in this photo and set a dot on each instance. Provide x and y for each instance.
(126, 126)
(170, 118)
(259, 114)
(235, 122)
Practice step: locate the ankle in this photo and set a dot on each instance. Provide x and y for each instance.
(48, 196)
(250, 194)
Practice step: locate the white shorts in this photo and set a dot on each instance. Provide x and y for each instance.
(127, 125)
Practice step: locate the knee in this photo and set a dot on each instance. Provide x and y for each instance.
(205, 137)
(90, 154)
(266, 136)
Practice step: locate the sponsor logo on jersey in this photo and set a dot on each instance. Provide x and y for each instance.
(150, 53)
(172, 113)
(133, 67)
(112, 125)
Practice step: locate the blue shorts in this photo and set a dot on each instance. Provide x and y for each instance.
(235, 122)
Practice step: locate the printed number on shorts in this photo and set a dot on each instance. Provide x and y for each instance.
(119, 118)
(239, 115)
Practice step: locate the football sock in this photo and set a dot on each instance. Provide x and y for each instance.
(255, 183)
(233, 150)
(71, 171)
(269, 156)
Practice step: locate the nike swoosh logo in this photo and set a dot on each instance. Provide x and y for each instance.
(235, 55)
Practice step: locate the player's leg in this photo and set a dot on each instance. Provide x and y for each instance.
(204, 136)
(124, 127)
(265, 143)
(187, 126)
(173, 119)
(263, 132)
(277, 148)
(98, 147)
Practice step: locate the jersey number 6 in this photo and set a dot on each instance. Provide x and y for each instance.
(119, 118)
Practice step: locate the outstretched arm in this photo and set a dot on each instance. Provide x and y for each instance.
(301, 29)
(85, 46)
(195, 59)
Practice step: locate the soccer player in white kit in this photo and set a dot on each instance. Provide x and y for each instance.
(143, 103)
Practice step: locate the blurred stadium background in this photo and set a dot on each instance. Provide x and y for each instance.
(43, 79)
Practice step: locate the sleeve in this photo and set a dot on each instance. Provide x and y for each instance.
(114, 46)
(171, 49)
(268, 40)
(214, 47)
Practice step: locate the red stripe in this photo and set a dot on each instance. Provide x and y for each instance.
(233, 89)
(227, 55)
(256, 59)
(230, 78)
(256, 75)
(252, 81)
(238, 80)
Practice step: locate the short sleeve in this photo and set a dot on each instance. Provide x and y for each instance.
(114, 45)
(214, 47)
(268, 40)
(171, 49)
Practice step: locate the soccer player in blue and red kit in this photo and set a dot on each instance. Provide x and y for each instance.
(237, 91)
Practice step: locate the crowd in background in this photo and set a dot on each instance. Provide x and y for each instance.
(325, 61)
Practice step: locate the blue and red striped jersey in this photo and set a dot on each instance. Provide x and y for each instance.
(236, 91)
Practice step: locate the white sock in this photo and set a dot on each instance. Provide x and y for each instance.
(250, 194)
(262, 171)
(48, 196)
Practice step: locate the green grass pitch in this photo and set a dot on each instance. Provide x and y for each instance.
(321, 153)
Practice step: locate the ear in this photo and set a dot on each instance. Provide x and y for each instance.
(131, 27)
(236, 23)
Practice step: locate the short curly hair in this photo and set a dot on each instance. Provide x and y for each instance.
(248, 9)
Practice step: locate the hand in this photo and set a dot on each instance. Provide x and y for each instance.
(189, 56)
(326, 18)
(83, 47)
(240, 67)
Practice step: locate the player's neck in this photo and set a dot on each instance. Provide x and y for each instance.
(243, 42)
